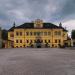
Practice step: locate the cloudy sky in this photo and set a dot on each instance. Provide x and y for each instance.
(54, 11)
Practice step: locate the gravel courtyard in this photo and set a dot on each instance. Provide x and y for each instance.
(41, 61)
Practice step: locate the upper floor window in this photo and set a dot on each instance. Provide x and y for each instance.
(38, 33)
(11, 35)
(35, 33)
(27, 33)
(45, 33)
(31, 41)
(20, 33)
(49, 33)
(17, 33)
(41, 33)
(57, 32)
(31, 33)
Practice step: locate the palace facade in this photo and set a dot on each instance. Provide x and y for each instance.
(37, 34)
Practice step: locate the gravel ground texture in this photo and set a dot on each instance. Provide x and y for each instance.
(37, 61)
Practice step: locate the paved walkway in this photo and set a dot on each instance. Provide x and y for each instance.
(37, 61)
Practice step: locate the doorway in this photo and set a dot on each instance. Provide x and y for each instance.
(38, 43)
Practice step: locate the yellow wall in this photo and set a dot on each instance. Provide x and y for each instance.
(19, 38)
(9, 35)
(34, 37)
(57, 37)
(51, 37)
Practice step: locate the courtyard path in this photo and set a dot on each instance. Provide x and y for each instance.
(41, 61)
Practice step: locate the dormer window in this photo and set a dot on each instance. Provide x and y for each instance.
(38, 23)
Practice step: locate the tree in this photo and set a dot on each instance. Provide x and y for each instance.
(4, 34)
(73, 34)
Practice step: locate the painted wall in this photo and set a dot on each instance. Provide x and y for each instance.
(52, 37)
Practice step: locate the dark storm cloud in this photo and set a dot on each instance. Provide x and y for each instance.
(28, 10)
(67, 11)
(69, 8)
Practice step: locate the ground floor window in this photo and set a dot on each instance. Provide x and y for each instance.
(16, 41)
(20, 41)
(21, 46)
(55, 41)
(49, 41)
(59, 41)
(31, 41)
(16, 46)
(27, 41)
(24, 45)
(52, 45)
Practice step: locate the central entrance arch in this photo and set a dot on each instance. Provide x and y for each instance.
(38, 43)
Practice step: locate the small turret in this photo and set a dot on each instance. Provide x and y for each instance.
(60, 25)
(14, 24)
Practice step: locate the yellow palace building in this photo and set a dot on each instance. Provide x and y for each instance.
(37, 34)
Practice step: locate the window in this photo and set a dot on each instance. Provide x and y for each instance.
(45, 41)
(55, 41)
(55, 32)
(16, 41)
(11, 35)
(24, 45)
(31, 33)
(63, 35)
(21, 46)
(20, 41)
(59, 33)
(52, 45)
(35, 33)
(16, 46)
(41, 33)
(49, 33)
(38, 33)
(31, 41)
(59, 41)
(45, 33)
(20, 33)
(27, 41)
(27, 33)
(38, 25)
(17, 33)
(49, 41)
